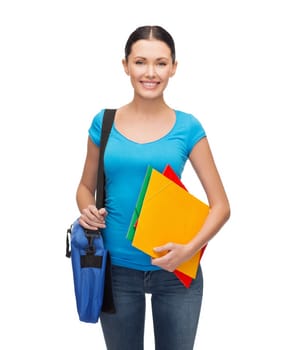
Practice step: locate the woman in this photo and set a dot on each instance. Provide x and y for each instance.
(147, 131)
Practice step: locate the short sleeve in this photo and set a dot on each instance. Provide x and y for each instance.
(94, 131)
(192, 130)
(195, 132)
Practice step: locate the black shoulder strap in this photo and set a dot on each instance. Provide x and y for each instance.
(108, 118)
(108, 302)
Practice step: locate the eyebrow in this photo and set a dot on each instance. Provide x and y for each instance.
(157, 59)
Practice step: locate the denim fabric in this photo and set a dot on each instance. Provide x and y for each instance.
(175, 310)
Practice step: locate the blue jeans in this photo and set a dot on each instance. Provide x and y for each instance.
(175, 310)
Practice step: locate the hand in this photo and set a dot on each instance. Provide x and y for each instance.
(93, 218)
(174, 255)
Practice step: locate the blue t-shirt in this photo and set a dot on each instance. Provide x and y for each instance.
(125, 163)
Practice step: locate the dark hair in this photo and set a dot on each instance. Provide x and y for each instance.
(150, 32)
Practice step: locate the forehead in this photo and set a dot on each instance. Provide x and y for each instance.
(150, 49)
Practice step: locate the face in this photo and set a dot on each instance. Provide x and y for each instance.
(149, 66)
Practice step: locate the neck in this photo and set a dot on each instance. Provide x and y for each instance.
(148, 107)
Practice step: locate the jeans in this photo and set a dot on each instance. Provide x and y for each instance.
(175, 310)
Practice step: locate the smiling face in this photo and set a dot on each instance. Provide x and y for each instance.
(149, 66)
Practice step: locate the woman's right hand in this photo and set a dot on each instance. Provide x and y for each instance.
(92, 218)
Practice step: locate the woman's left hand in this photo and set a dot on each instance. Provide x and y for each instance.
(174, 255)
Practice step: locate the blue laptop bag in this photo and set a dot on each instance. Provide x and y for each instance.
(89, 260)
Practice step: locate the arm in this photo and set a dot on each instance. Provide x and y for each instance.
(204, 165)
(91, 217)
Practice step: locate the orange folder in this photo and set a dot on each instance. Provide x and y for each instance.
(169, 172)
(169, 213)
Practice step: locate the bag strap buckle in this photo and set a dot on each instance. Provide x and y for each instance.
(91, 235)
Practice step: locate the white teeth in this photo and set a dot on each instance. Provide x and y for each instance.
(149, 85)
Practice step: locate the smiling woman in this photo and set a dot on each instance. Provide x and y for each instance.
(147, 131)
(148, 72)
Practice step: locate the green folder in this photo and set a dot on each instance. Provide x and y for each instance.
(132, 227)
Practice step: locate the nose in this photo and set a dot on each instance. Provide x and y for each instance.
(150, 71)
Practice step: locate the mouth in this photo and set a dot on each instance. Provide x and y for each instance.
(150, 84)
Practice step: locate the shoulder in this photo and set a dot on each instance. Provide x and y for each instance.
(188, 119)
(189, 128)
(95, 128)
(98, 118)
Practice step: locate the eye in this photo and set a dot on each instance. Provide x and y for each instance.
(139, 62)
(162, 64)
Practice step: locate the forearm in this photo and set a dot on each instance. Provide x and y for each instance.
(84, 197)
(217, 217)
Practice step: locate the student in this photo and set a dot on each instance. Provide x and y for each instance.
(147, 131)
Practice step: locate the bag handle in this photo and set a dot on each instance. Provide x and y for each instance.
(107, 123)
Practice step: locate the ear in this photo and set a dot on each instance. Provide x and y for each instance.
(174, 68)
(125, 66)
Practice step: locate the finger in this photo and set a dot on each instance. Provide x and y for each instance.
(164, 248)
(93, 210)
(102, 212)
(88, 214)
(87, 225)
(163, 263)
(92, 221)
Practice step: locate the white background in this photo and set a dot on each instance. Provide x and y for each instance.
(60, 64)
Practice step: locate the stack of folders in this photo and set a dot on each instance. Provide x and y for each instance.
(166, 212)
